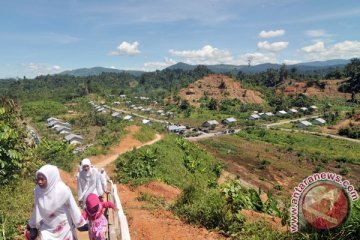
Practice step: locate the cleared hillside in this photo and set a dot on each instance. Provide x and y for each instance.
(330, 88)
(219, 87)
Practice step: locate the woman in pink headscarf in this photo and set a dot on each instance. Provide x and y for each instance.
(94, 213)
(55, 212)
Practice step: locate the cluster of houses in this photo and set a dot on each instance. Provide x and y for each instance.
(316, 121)
(210, 124)
(256, 115)
(64, 128)
(106, 108)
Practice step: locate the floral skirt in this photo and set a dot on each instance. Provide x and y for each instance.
(98, 228)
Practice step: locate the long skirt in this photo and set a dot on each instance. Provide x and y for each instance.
(98, 228)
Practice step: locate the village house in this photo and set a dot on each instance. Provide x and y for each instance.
(254, 117)
(62, 128)
(146, 121)
(267, 114)
(73, 139)
(128, 118)
(313, 108)
(176, 128)
(229, 121)
(293, 111)
(304, 124)
(319, 121)
(116, 114)
(281, 113)
(304, 109)
(210, 123)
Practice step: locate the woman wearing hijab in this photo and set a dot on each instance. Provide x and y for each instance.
(55, 210)
(89, 181)
(94, 213)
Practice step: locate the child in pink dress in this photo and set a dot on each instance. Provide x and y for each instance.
(95, 216)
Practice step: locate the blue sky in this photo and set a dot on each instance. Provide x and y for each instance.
(50, 36)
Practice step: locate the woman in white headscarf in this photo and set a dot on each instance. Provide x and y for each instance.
(89, 181)
(55, 211)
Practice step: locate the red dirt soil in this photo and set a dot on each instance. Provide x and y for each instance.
(210, 85)
(145, 224)
(291, 87)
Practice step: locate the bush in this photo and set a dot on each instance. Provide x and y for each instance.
(15, 208)
(57, 153)
(41, 110)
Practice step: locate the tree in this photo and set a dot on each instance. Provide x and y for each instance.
(184, 105)
(213, 104)
(352, 70)
(14, 151)
(283, 74)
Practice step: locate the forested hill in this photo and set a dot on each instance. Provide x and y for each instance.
(83, 72)
(65, 87)
(322, 67)
(159, 84)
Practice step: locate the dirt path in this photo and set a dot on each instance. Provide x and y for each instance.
(145, 222)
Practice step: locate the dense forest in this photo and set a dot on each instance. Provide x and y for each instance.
(159, 84)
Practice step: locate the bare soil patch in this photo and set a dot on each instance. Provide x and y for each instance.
(219, 87)
(291, 87)
(154, 224)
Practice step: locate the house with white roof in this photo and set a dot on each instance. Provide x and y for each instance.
(122, 96)
(176, 128)
(229, 121)
(304, 124)
(293, 111)
(281, 112)
(268, 114)
(52, 119)
(319, 121)
(304, 109)
(146, 121)
(160, 111)
(313, 108)
(210, 123)
(254, 117)
(62, 128)
(73, 139)
(116, 114)
(128, 118)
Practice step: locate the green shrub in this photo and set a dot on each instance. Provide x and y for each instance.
(41, 110)
(145, 134)
(57, 153)
(15, 208)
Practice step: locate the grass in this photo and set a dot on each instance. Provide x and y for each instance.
(15, 208)
(145, 134)
(167, 164)
(331, 148)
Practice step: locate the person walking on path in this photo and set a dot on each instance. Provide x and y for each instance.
(88, 181)
(104, 179)
(94, 213)
(55, 211)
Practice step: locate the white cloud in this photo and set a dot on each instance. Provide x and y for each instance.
(151, 66)
(126, 48)
(275, 46)
(317, 47)
(205, 55)
(270, 34)
(316, 33)
(41, 69)
(343, 50)
(290, 62)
